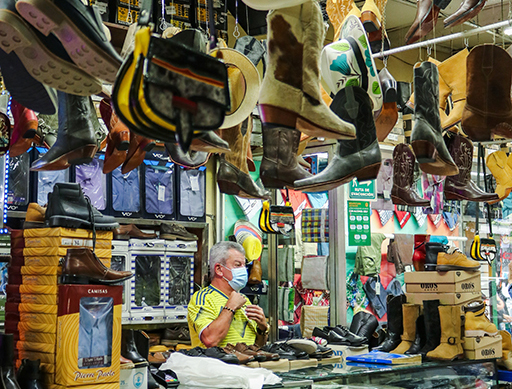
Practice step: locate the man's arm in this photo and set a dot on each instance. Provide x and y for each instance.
(218, 329)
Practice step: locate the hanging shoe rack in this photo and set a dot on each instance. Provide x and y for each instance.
(457, 35)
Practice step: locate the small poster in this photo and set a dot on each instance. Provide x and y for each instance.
(359, 233)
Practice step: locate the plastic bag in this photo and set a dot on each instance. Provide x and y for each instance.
(212, 373)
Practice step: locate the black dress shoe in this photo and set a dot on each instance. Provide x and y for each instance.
(321, 352)
(80, 29)
(285, 351)
(348, 338)
(219, 353)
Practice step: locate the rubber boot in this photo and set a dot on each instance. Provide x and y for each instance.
(497, 163)
(364, 324)
(23, 130)
(280, 166)
(290, 94)
(420, 338)
(432, 249)
(420, 252)
(129, 349)
(7, 376)
(76, 139)
(233, 176)
(488, 109)
(433, 324)
(477, 324)
(450, 347)
(410, 315)
(395, 323)
(427, 134)
(360, 158)
(403, 191)
(506, 345)
(28, 374)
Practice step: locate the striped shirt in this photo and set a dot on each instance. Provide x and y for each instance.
(205, 306)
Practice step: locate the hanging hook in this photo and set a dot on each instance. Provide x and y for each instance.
(429, 50)
(466, 42)
(236, 30)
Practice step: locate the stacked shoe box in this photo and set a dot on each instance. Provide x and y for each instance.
(450, 288)
(33, 288)
(147, 288)
(121, 261)
(5, 257)
(180, 278)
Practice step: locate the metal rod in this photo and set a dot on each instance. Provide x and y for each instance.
(457, 35)
(273, 300)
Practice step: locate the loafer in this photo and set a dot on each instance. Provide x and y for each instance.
(352, 339)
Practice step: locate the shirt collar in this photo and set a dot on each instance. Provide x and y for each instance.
(218, 291)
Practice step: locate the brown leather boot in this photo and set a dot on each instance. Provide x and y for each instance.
(82, 266)
(233, 176)
(461, 186)
(403, 192)
(488, 109)
(118, 142)
(136, 152)
(427, 13)
(468, 9)
(126, 232)
(280, 166)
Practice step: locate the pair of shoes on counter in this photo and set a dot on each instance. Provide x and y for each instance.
(285, 351)
(168, 231)
(340, 335)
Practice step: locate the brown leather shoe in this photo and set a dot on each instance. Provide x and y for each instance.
(157, 358)
(386, 120)
(270, 356)
(244, 349)
(82, 266)
(34, 217)
(242, 357)
(136, 152)
(255, 275)
(426, 18)
(126, 363)
(24, 129)
(127, 231)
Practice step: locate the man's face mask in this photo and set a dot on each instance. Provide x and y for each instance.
(239, 279)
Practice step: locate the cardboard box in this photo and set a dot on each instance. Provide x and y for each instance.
(121, 261)
(41, 270)
(37, 327)
(38, 308)
(46, 299)
(38, 260)
(134, 378)
(60, 251)
(303, 364)
(38, 289)
(57, 241)
(483, 347)
(121, 15)
(38, 337)
(444, 298)
(346, 351)
(40, 280)
(44, 357)
(67, 232)
(38, 318)
(43, 367)
(82, 358)
(99, 386)
(331, 360)
(447, 282)
(38, 347)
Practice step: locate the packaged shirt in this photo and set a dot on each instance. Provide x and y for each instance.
(192, 192)
(159, 191)
(46, 180)
(125, 191)
(91, 179)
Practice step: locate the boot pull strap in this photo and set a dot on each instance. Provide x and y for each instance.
(488, 61)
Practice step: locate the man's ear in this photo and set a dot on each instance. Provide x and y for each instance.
(218, 270)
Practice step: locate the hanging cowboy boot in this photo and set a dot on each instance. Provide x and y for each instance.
(403, 191)
(453, 72)
(24, 129)
(139, 145)
(411, 313)
(468, 9)
(48, 126)
(461, 186)
(76, 140)
(432, 250)
(433, 324)
(290, 93)
(427, 134)
(233, 175)
(502, 173)
(359, 158)
(404, 94)
(488, 109)
(419, 255)
(389, 114)
(118, 142)
(190, 159)
(337, 25)
(450, 347)
(427, 13)
(370, 16)
(395, 323)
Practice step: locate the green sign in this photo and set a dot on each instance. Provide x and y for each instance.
(362, 190)
(359, 233)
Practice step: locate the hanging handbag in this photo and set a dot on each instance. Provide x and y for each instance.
(488, 248)
(264, 220)
(277, 219)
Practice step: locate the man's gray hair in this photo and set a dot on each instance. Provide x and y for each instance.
(219, 253)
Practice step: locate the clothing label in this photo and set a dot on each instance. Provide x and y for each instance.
(170, 10)
(194, 183)
(161, 192)
(377, 288)
(386, 194)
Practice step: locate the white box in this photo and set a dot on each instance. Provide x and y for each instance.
(136, 378)
(121, 261)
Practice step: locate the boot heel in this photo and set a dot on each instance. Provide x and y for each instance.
(228, 187)
(368, 172)
(83, 155)
(74, 279)
(272, 183)
(124, 141)
(425, 151)
(370, 21)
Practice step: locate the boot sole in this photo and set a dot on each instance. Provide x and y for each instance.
(73, 222)
(40, 62)
(370, 21)
(279, 116)
(48, 18)
(479, 333)
(466, 15)
(230, 188)
(176, 237)
(74, 157)
(398, 201)
(455, 196)
(430, 160)
(81, 280)
(443, 268)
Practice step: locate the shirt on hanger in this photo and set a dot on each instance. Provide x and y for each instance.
(125, 191)
(91, 177)
(159, 191)
(192, 192)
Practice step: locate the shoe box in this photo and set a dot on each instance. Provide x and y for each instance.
(121, 261)
(5, 257)
(88, 334)
(444, 298)
(485, 347)
(133, 378)
(346, 351)
(457, 281)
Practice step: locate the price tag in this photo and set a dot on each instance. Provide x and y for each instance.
(387, 194)
(377, 288)
(194, 183)
(161, 193)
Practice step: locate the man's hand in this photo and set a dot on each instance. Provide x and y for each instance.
(255, 313)
(236, 301)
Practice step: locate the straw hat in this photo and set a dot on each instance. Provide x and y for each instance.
(267, 5)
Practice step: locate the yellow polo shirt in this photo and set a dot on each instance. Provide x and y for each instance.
(205, 306)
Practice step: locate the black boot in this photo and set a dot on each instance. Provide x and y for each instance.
(395, 324)
(432, 249)
(142, 343)
(433, 326)
(190, 159)
(358, 158)
(280, 165)
(364, 324)
(77, 135)
(421, 337)
(152, 384)
(129, 349)
(7, 376)
(28, 374)
(404, 93)
(68, 207)
(427, 134)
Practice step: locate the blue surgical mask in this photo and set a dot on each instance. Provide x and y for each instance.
(239, 279)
